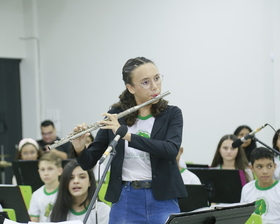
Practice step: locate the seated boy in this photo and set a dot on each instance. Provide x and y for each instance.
(266, 190)
(42, 200)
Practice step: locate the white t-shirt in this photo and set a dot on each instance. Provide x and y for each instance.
(267, 200)
(42, 203)
(103, 211)
(137, 164)
(189, 177)
(182, 163)
(99, 169)
(277, 170)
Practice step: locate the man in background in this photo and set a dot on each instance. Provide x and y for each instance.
(48, 133)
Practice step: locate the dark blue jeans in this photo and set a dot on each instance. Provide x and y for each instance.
(138, 206)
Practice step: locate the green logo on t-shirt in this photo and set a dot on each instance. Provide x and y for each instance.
(48, 209)
(143, 134)
(261, 207)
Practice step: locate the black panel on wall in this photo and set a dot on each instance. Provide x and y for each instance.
(10, 113)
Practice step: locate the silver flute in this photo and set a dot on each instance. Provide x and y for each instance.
(95, 126)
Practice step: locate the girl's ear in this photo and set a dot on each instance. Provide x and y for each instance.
(130, 88)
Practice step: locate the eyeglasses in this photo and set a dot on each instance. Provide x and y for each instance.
(147, 83)
(48, 133)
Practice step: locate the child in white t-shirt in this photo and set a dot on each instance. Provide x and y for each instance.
(188, 176)
(266, 190)
(42, 200)
(77, 187)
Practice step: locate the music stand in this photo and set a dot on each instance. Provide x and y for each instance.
(11, 197)
(26, 172)
(193, 165)
(197, 198)
(230, 214)
(223, 186)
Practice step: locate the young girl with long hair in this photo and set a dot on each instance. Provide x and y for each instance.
(76, 189)
(227, 157)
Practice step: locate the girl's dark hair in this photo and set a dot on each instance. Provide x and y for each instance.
(127, 99)
(274, 140)
(261, 153)
(248, 150)
(241, 162)
(64, 199)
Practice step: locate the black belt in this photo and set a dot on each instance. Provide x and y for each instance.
(138, 184)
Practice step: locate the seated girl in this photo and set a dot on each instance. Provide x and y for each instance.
(76, 189)
(227, 157)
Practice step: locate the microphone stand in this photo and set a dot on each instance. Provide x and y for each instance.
(95, 195)
(273, 150)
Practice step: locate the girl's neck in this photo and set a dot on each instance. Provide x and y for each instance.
(145, 111)
(50, 187)
(228, 165)
(76, 206)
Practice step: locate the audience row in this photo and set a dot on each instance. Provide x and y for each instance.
(53, 203)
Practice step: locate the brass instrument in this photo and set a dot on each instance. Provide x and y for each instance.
(96, 125)
(4, 164)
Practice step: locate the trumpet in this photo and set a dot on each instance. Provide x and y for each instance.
(96, 125)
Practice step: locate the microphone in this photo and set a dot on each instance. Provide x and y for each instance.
(120, 133)
(240, 141)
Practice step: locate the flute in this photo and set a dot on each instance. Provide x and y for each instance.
(96, 125)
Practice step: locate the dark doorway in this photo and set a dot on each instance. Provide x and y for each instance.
(10, 114)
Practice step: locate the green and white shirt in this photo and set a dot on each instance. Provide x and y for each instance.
(137, 164)
(103, 211)
(41, 203)
(189, 177)
(267, 200)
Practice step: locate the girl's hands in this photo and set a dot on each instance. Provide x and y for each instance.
(110, 123)
(80, 142)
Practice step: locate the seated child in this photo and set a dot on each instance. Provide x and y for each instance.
(188, 176)
(28, 149)
(77, 187)
(266, 190)
(42, 200)
(227, 157)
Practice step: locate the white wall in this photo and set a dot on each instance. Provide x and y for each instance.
(215, 56)
(11, 24)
